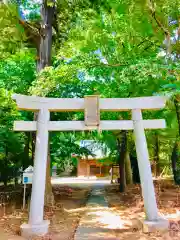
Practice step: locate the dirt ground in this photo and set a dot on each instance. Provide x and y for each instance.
(64, 216)
(129, 208)
(122, 216)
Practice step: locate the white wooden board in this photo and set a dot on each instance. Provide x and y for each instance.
(34, 103)
(80, 125)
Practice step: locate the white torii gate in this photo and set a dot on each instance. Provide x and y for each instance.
(91, 105)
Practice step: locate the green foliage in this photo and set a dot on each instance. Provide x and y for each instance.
(17, 72)
(116, 51)
(64, 146)
(110, 48)
(12, 34)
(50, 3)
(11, 144)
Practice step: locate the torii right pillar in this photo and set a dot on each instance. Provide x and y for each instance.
(153, 220)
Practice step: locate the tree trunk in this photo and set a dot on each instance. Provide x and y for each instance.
(45, 47)
(128, 169)
(177, 107)
(49, 197)
(5, 181)
(111, 173)
(5, 170)
(175, 157)
(42, 41)
(175, 161)
(16, 181)
(26, 150)
(135, 169)
(44, 60)
(156, 153)
(122, 145)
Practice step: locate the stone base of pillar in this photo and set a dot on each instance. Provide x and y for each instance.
(151, 226)
(28, 230)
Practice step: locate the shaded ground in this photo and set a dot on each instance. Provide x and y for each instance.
(121, 220)
(64, 216)
(118, 221)
(128, 208)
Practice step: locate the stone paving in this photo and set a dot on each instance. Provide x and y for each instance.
(98, 222)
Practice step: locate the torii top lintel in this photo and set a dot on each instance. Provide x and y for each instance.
(34, 103)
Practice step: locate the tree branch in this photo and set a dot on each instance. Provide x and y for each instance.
(32, 32)
(109, 65)
(153, 13)
(161, 26)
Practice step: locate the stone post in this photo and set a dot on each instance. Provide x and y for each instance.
(144, 167)
(36, 223)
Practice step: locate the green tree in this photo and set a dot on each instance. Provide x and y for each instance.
(11, 150)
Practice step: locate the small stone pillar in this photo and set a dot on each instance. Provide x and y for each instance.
(144, 167)
(36, 225)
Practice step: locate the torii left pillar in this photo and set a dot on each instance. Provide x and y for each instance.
(37, 225)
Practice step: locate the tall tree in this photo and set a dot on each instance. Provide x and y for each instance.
(122, 149)
(45, 52)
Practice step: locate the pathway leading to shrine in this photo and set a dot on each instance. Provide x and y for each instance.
(99, 220)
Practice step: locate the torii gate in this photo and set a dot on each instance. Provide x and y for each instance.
(91, 105)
